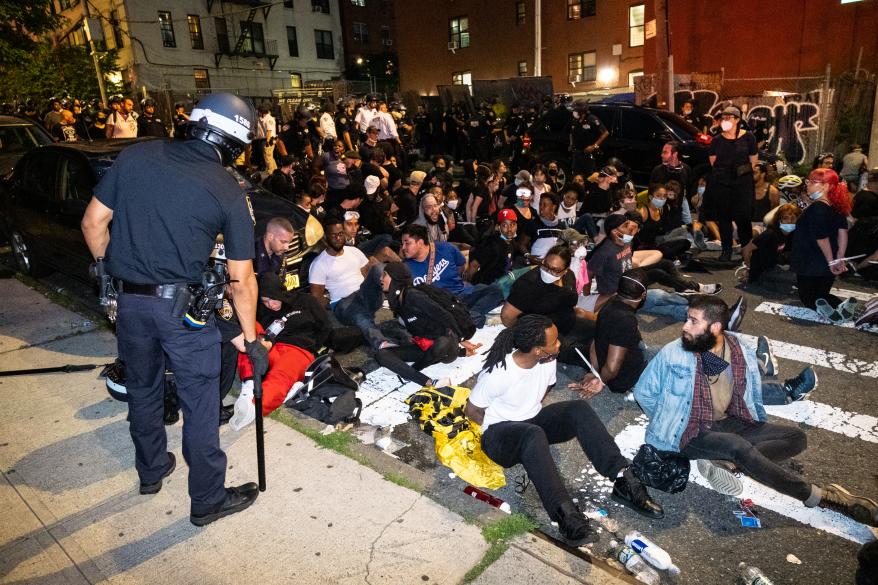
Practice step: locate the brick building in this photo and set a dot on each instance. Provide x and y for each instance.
(586, 44)
(368, 35)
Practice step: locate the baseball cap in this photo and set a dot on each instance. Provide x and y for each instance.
(506, 215)
(352, 154)
(613, 221)
(523, 177)
(372, 183)
(417, 177)
(732, 111)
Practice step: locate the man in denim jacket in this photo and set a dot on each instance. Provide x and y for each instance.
(703, 396)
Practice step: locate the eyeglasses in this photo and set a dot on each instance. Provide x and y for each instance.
(553, 271)
(814, 182)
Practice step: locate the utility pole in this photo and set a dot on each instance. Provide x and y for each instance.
(538, 39)
(664, 58)
(873, 141)
(94, 53)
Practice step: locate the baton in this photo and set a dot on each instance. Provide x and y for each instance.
(593, 371)
(66, 369)
(260, 438)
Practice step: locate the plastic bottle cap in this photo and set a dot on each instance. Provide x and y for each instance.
(506, 508)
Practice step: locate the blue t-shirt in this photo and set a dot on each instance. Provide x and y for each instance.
(446, 269)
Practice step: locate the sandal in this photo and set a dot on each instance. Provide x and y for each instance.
(848, 309)
(825, 310)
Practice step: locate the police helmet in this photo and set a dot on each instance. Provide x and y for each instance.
(115, 379)
(146, 102)
(224, 121)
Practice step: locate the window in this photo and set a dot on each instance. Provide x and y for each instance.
(166, 25)
(288, 3)
(462, 78)
(581, 66)
(292, 41)
(296, 80)
(636, 15)
(38, 179)
(202, 80)
(323, 41)
(117, 30)
(361, 33)
(254, 39)
(522, 68)
(320, 6)
(458, 31)
(194, 22)
(633, 75)
(76, 182)
(519, 13)
(222, 35)
(637, 125)
(577, 9)
(360, 3)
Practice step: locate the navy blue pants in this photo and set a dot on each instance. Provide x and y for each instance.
(149, 335)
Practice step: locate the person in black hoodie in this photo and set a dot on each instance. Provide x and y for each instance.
(436, 336)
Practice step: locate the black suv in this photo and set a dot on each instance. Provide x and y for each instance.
(45, 198)
(637, 135)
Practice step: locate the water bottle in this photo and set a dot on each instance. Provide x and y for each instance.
(651, 552)
(487, 498)
(752, 575)
(600, 516)
(638, 567)
(273, 330)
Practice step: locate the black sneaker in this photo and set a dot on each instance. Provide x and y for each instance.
(736, 314)
(767, 361)
(628, 491)
(238, 498)
(226, 413)
(802, 385)
(573, 526)
(838, 499)
(147, 489)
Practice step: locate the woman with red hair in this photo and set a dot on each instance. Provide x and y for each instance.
(819, 242)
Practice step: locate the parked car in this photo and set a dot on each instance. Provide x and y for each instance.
(45, 198)
(18, 136)
(637, 135)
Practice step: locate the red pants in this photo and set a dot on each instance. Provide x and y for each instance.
(286, 366)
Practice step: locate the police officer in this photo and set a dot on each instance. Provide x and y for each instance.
(149, 124)
(587, 133)
(167, 201)
(514, 131)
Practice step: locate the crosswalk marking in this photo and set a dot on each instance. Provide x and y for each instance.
(818, 357)
(830, 418)
(633, 436)
(805, 314)
(844, 294)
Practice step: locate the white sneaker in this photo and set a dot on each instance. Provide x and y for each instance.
(245, 410)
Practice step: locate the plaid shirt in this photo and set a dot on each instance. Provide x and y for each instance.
(701, 417)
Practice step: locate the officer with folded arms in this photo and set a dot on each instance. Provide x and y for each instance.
(167, 201)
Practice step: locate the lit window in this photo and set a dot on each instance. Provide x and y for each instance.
(202, 80)
(166, 25)
(522, 68)
(462, 78)
(581, 66)
(458, 31)
(519, 13)
(633, 75)
(296, 80)
(577, 9)
(194, 22)
(636, 15)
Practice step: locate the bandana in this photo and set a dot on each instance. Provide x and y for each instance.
(712, 364)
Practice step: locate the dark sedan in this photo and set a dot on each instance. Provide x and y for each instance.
(18, 136)
(45, 197)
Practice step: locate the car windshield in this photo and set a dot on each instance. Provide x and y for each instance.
(17, 138)
(683, 129)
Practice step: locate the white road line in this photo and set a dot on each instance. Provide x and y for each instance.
(844, 294)
(830, 418)
(818, 357)
(632, 437)
(805, 314)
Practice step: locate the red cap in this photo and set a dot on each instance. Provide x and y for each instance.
(506, 214)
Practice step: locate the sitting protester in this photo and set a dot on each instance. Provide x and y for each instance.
(436, 335)
(660, 220)
(442, 264)
(527, 218)
(547, 228)
(303, 329)
(353, 282)
(571, 201)
(376, 210)
(430, 216)
(377, 246)
(703, 396)
(517, 429)
(498, 252)
(762, 253)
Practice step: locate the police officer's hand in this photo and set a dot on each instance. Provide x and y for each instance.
(258, 356)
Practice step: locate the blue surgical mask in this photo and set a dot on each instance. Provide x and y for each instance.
(522, 202)
(787, 228)
(815, 195)
(701, 189)
(627, 238)
(658, 203)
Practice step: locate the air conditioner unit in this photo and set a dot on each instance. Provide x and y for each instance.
(388, 42)
(452, 45)
(575, 78)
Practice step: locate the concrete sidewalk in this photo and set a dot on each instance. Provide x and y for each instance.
(73, 515)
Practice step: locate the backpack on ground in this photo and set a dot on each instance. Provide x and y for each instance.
(458, 309)
(328, 392)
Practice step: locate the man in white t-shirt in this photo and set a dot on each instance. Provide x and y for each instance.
(507, 402)
(122, 123)
(266, 133)
(353, 282)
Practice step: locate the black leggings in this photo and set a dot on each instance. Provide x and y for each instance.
(674, 249)
(812, 288)
(745, 231)
(665, 273)
(444, 349)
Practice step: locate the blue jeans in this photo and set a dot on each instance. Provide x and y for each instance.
(481, 299)
(660, 302)
(358, 308)
(585, 224)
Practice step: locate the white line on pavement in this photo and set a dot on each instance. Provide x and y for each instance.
(844, 294)
(830, 418)
(632, 437)
(805, 314)
(818, 357)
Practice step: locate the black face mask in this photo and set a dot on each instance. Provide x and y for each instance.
(547, 358)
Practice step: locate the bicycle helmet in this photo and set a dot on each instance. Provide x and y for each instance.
(789, 182)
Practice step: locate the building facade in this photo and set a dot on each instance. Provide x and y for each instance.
(586, 45)
(250, 47)
(369, 39)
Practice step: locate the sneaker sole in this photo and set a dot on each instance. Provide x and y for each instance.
(868, 515)
(721, 480)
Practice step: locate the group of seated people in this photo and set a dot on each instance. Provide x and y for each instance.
(568, 270)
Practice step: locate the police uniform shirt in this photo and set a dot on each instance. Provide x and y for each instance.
(151, 126)
(515, 125)
(586, 131)
(170, 199)
(265, 261)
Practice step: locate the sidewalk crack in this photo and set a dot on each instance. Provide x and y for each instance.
(381, 534)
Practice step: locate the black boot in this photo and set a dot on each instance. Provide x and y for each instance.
(573, 526)
(863, 510)
(628, 491)
(725, 255)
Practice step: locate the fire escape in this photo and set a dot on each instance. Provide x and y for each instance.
(248, 40)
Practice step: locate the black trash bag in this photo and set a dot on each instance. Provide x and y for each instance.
(328, 393)
(663, 470)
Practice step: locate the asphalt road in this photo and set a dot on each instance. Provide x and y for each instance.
(700, 531)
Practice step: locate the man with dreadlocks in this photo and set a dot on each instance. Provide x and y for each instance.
(507, 403)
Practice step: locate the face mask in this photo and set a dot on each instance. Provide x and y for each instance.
(549, 357)
(580, 252)
(687, 112)
(727, 125)
(815, 195)
(627, 238)
(787, 228)
(566, 208)
(658, 203)
(701, 189)
(548, 277)
(452, 204)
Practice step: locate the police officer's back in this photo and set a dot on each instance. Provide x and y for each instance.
(168, 200)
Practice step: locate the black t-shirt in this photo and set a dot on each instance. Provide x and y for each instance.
(617, 325)
(295, 139)
(663, 173)
(819, 221)
(607, 264)
(65, 132)
(586, 131)
(597, 200)
(530, 295)
(495, 258)
(407, 204)
(731, 154)
(307, 326)
(170, 199)
(769, 244)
